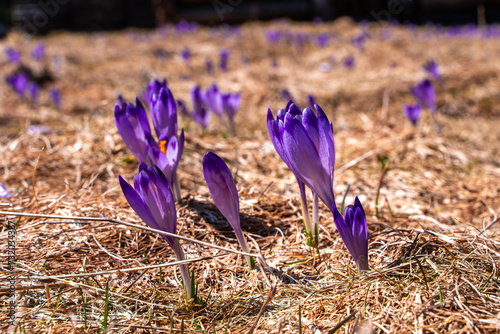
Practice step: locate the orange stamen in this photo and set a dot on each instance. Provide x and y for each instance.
(163, 147)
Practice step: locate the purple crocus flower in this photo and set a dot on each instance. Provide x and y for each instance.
(18, 82)
(224, 58)
(34, 91)
(349, 62)
(286, 95)
(186, 55)
(152, 200)
(425, 94)
(354, 232)
(209, 66)
(167, 152)
(433, 69)
(223, 190)
(38, 52)
(213, 100)
(230, 105)
(55, 96)
(305, 143)
(412, 112)
(200, 113)
(310, 101)
(13, 56)
(359, 41)
(154, 88)
(133, 125)
(273, 36)
(4, 192)
(322, 40)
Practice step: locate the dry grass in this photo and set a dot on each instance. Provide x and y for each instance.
(434, 246)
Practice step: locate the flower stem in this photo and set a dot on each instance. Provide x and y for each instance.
(303, 204)
(176, 191)
(186, 278)
(314, 232)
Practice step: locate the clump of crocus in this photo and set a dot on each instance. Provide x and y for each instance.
(354, 232)
(432, 68)
(200, 113)
(55, 96)
(222, 104)
(221, 184)
(426, 96)
(38, 52)
(224, 59)
(412, 112)
(152, 200)
(133, 126)
(305, 143)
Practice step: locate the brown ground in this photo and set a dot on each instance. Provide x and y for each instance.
(445, 185)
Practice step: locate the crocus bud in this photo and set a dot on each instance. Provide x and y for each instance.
(412, 112)
(225, 195)
(152, 200)
(354, 232)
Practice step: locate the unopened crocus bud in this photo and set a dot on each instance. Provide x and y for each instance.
(354, 232)
(225, 195)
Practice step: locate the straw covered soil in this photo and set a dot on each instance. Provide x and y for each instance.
(434, 239)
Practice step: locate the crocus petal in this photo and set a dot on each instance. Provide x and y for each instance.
(4, 192)
(222, 188)
(164, 114)
(305, 161)
(133, 126)
(344, 230)
(326, 147)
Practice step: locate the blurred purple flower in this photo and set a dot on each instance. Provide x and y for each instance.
(359, 41)
(322, 40)
(354, 232)
(285, 94)
(209, 66)
(38, 130)
(433, 69)
(224, 58)
(55, 96)
(349, 62)
(13, 55)
(223, 190)
(213, 100)
(18, 82)
(412, 112)
(200, 113)
(3, 191)
(186, 55)
(34, 91)
(273, 36)
(154, 88)
(310, 101)
(38, 52)
(152, 200)
(230, 105)
(425, 94)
